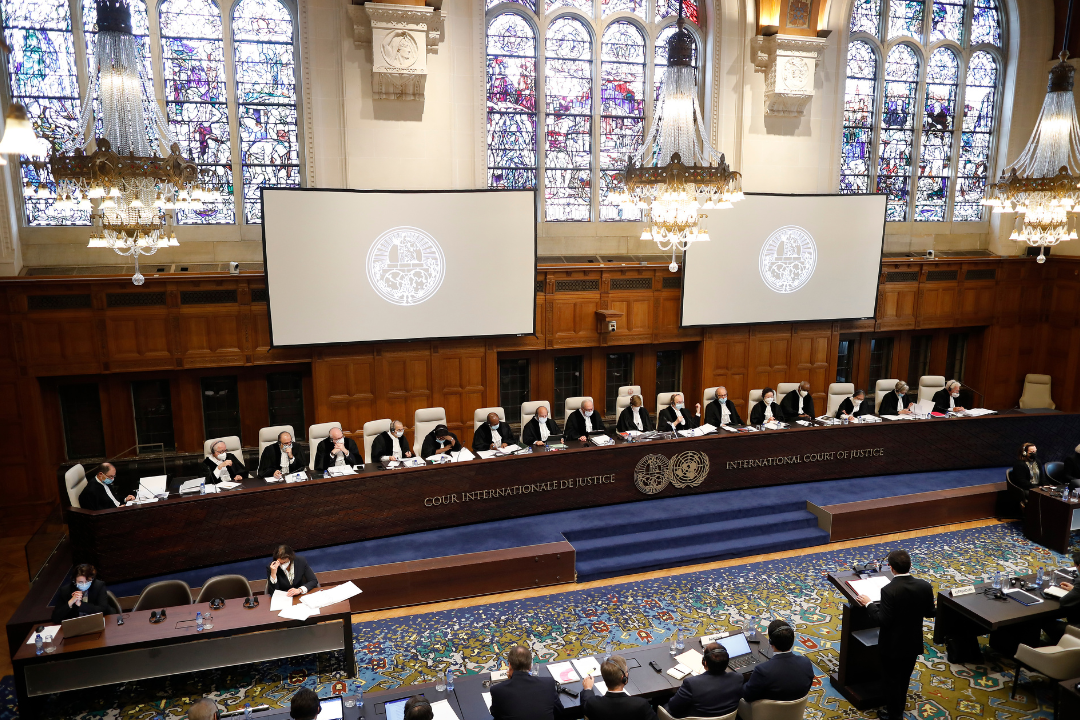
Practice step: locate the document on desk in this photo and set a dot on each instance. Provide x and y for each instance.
(298, 612)
(870, 587)
(487, 699)
(336, 594)
(273, 479)
(462, 455)
(487, 454)
(563, 672)
(601, 440)
(279, 600)
(296, 477)
(924, 407)
(698, 431)
(49, 630)
(151, 487)
(692, 659)
(189, 485)
(439, 458)
(586, 666)
(340, 471)
(227, 485)
(441, 710)
(979, 412)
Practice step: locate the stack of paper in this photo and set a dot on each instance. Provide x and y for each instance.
(48, 630)
(190, 485)
(296, 477)
(870, 587)
(487, 454)
(153, 486)
(729, 428)
(586, 666)
(340, 471)
(438, 459)
(563, 672)
(979, 412)
(692, 659)
(679, 671)
(280, 600)
(487, 699)
(441, 710)
(227, 485)
(298, 611)
(524, 451)
(322, 598)
(462, 455)
(601, 440)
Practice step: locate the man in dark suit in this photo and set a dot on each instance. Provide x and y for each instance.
(945, 401)
(583, 421)
(893, 403)
(905, 601)
(855, 406)
(785, 676)
(223, 465)
(523, 696)
(284, 455)
(539, 428)
(797, 404)
(492, 435)
(714, 411)
(98, 494)
(712, 694)
(674, 417)
(336, 451)
(439, 441)
(615, 704)
(391, 444)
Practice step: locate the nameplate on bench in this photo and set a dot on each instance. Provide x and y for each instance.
(962, 590)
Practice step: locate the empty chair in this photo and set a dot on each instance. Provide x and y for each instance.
(572, 404)
(881, 389)
(1056, 471)
(166, 593)
(316, 434)
(838, 392)
(628, 390)
(268, 435)
(114, 604)
(372, 429)
(779, 709)
(1036, 393)
(232, 445)
(663, 714)
(75, 482)
(225, 587)
(479, 416)
(930, 384)
(1058, 662)
(424, 421)
(528, 410)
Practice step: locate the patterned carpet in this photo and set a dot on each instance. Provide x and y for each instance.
(565, 625)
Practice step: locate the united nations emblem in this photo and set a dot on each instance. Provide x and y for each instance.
(688, 469)
(405, 265)
(787, 259)
(651, 474)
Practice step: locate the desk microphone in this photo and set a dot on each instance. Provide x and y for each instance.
(974, 391)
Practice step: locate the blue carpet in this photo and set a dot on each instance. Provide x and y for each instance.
(552, 527)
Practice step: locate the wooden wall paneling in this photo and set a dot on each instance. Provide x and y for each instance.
(138, 339)
(1062, 335)
(575, 300)
(187, 411)
(254, 406)
(118, 414)
(976, 296)
(212, 336)
(692, 358)
(405, 375)
(460, 384)
(897, 297)
(60, 342)
(344, 389)
(813, 356)
(725, 361)
(770, 355)
(939, 300)
(636, 323)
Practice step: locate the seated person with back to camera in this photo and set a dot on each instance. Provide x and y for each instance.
(798, 404)
(539, 428)
(615, 704)
(492, 435)
(583, 421)
(84, 595)
(440, 441)
(855, 406)
(893, 403)
(674, 417)
(523, 696)
(721, 411)
(767, 410)
(785, 676)
(223, 465)
(205, 709)
(289, 573)
(634, 417)
(98, 493)
(305, 705)
(945, 400)
(282, 457)
(712, 694)
(418, 708)
(336, 450)
(391, 445)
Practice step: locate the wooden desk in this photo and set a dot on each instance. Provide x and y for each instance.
(981, 615)
(145, 541)
(138, 649)
(858, 672)
(1048, 519)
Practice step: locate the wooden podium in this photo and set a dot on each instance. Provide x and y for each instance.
(858, 673)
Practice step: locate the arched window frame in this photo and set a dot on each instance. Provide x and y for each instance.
(924, 50)
(596, 24)
(226, 9)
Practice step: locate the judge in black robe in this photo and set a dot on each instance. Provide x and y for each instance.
(942, 397)
(486, 438)
(626, 417)
(432, 446)
(383, 444)
(768, 398)
(673, 418)
(714, 415)
(575, 427)
(95, 496)
(325, 456)
(790, 404)
(893, 403)
(530, 434)
(235, 468)
(270, 462)
(847, 407)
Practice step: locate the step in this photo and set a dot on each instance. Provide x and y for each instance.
(672, 538)
(618, 563)
(703, 515)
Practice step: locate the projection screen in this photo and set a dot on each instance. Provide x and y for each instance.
(359, 266)
(781, 258)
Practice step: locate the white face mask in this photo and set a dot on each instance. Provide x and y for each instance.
(768, 400)
(220, 456)
(286, 447)
(856, 402)
(399, 433)
(587, 413)
(955, 394)
(494, 427)
(284, 565)
(541, 418)
(441, 442)
(802, 393)
(679, 406)
(722, 399)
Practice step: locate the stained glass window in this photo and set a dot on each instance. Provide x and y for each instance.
(631, 6)
(906, 18)
(531, 4)
(584, 6)
(667, 8)
(43, 77)
(622, 109)
(193, 57)
(947, 20)
(986, 23)
(660, 58)
(980, 92)
(266, 99)
(939, 119)
(898, 129)
(866, 16)
(511, 103)
(859, 94)
(568, 129)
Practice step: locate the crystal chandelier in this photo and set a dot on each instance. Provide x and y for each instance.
(131, 191)
(672, 195)
(1043, 185)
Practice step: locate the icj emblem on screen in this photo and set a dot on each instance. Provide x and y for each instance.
(787, 259)
(405, 265)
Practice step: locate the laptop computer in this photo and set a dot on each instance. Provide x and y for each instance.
(83, 625)
(331, 708)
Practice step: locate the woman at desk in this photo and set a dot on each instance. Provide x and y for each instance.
(634, 417)
(1029, 473)
(289, 573)
(84, 595)
(767, 410)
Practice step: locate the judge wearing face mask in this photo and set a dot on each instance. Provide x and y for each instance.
(223, 465)
(336, 450)
(767, 410)
(674, 417)
(854, 406)
(492, 435)
(539, 428)
(282, 457)
(289, 573)
(945, 401)
(84, 595)
(721, 411)
(439, 441)
(893, 403)
(797, 404)
(634, 417)
(99, 494)
(583, 421)
(391, 445)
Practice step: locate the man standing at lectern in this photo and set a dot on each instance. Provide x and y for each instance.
(905, 601)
